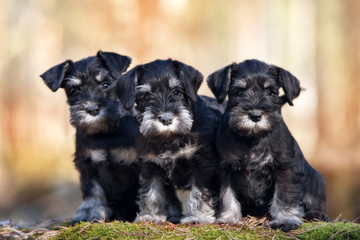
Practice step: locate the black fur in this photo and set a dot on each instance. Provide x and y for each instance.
(263, 168)
(176, 140)
(105, 153)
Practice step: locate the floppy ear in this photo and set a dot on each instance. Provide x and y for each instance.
(116, 63)
(219, 82)
(288, 82)
(191, 78)
(55, 75)
(125, 87)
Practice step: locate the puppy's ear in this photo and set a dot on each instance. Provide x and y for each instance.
(125, 87)
(219, 82)
(55, 75)
(116, 63)
(287, 81)
(191, 78)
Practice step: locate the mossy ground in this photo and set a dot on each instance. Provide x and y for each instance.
(250, 228)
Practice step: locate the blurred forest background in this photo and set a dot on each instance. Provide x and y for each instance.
(317, 40)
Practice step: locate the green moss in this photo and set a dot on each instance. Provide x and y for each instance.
(249, 229)
(119, 230)
(335, 230)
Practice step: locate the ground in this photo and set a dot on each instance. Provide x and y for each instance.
(250, 228)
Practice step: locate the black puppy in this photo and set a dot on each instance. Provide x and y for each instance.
(176, 141)
(105, 136)
(263, 168)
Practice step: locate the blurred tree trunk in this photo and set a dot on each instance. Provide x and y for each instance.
(338, 62)
(352, 22)
(338, 58)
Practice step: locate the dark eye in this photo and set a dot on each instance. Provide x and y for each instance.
(176, 92)
(74, 92)
(146, 97)
(105, 85)
(240, 92)
(269, 92)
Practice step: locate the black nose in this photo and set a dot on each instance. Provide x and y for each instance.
(255, 115)
(166, 118)
(93, 109)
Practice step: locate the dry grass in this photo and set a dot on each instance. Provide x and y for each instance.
(249, 228)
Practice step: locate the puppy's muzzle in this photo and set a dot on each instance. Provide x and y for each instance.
(255, 115)
(166, 118)
(93, 109)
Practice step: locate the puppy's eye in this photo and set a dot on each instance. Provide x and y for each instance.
(146, 97)
(176, 92)
(240, 92)
(74, 92)
(105, 85)
(270, 92)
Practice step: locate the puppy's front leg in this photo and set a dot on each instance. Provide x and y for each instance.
(152, 199)
(230, 208)
(94, 204)
(285, 210)
(200, 206)
(173, 204)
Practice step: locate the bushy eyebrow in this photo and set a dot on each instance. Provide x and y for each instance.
(241, 83)
(72, 81)
(143, 88)
(269, 83)
(174, 82)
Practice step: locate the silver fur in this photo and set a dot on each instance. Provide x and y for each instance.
(197, 210)
(231, 208)
(284, 214)
(97, 155)
(150, 123)
(152, 201)
(72, 81)
(174, 82)
(241, 121)
(125, 156)
(186, 152)
(95, 206)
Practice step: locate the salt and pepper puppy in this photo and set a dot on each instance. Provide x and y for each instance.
(263, 168)
(105, 153)
(175, 142)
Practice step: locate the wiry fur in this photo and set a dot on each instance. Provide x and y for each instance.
(176, 140)
(105, 153)
(263, 168)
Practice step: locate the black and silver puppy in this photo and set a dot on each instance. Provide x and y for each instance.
(263, 168)
(105, 153)
(176, 141)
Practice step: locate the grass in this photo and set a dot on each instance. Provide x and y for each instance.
(250, 228)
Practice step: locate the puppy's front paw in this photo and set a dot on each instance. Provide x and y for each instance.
(311, 215)
(89, 211)
(229, 217)
(286, 224)
(232, 220)
(149, 218)
(196, 220)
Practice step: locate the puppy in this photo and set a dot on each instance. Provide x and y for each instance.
(263, 168)
(105, 153)
(176, 140)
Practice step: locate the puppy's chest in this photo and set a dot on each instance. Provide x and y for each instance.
(257, 162)
(164, 153)
(117, 155)
(253, 171)
(174, 162)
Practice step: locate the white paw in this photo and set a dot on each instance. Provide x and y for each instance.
(89, 210)
(149, 218)
(194, 219)
(228, 220)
